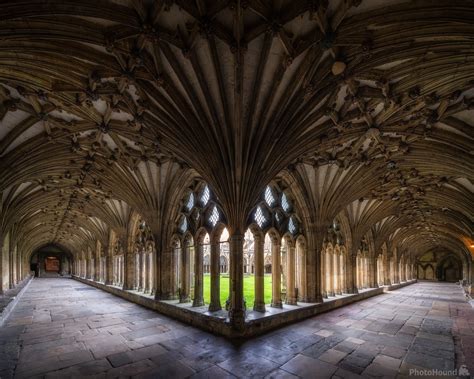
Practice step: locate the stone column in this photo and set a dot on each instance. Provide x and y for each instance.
(236, 309)
(96, 267)
(154, 276)
(352, 274)
(358, 282)
(366, 272)
(122, 269)
(302, 273)
(146, 257)
(313, 272)
(290, 275)
(342, 283)
(330, 289)
(129, 270)
(11, 261)
(215, 304)
(337, 274)
(276, 274)
(114, 270)
(396, 266)
(259, 303)
(373, 272)
(88, 268)
(170, 271)
(19, 273)
(198, 276)
(106, 269)
(343, 272)
(184, 274)
(324, 274)
(141, 270)
(118, 270)
(386, 271)
(108, 275)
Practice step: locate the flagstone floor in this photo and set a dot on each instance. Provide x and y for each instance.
(63, 328)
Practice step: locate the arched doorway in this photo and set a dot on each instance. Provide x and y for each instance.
(450, 269)
(429, 273)
(51, 261)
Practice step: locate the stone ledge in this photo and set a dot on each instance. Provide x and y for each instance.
(267, 323)
(396, 286)
(11, 297)
(253, 327)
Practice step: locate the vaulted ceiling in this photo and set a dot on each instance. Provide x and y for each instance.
(107, 105)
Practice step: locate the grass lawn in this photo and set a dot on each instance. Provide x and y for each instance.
(249, 284)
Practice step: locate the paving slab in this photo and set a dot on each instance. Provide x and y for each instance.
(61, 328)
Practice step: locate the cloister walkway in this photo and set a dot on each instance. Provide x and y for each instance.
(63, 328)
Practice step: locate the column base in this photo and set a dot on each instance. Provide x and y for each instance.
(184, 299)
(198, 302)
(259, 307)
(214, 307)
(276, 304)
(237, 318)
(331, 294)
(167, 296)
(291, 301)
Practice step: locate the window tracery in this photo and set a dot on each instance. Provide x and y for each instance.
(203, 212)
(276, 210)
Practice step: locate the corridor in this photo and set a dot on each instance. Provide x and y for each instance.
(63, 328)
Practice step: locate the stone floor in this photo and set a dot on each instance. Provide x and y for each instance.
(62, 328)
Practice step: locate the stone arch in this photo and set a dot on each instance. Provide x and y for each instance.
(449, 269)
(429, 272)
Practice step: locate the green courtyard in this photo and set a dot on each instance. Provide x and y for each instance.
(249, 293)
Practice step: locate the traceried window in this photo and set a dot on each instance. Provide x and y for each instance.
(214, 217)
(199, 210)
(260, 218)
(334, 234)
(184, 225)
(292, 226)
(276, 210)
(284, 203)
(278, 217)
(190, 203)
(269, 198)
(205, 196)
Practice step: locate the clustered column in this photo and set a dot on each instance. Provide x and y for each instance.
(276, 274)
(215, 304)
(198, 276)
(290, 276)
(259, 304)
(185, 267)
(236, 310)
